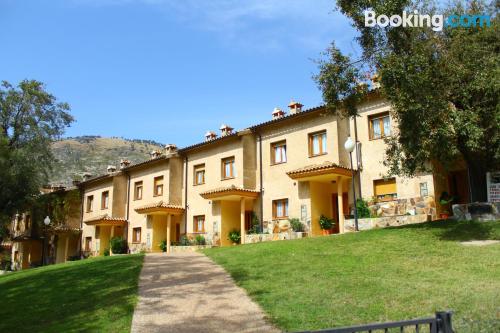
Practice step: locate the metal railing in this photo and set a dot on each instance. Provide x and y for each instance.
(441, 323)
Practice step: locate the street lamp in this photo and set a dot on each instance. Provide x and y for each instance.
(46, 223)
(349, 147)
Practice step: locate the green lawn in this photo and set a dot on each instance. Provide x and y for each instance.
(92, 295)
(374, 276)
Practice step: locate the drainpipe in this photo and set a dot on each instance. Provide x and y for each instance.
(185, 195)
(358, 155)
(260, 186)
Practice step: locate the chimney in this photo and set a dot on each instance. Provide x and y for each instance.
(86, 176)
(210, 135)
(295, 107)
(75, 182)
(278, 113)
(155, 154)
(375, 81)
(170, 149)
(124, 163)
(111, 168)
(226, 130)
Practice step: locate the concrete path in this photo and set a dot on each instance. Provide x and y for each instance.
(187, 292)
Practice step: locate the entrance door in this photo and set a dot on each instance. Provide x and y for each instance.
(335, 209)
(177, 232)
(459, 186)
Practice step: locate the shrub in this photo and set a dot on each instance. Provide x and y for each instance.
(184, 241)
(118, 245)
(200, 240)
(163, 245)
(255, 228)
(362, 207)
(234, 236)
(297, 226)
(326, 223)
(106, 252)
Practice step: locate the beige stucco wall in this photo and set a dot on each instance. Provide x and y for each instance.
(373, 154)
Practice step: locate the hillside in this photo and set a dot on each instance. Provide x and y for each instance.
(93, 154)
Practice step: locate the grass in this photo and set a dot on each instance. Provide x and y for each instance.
(92, 295)
(374, 276)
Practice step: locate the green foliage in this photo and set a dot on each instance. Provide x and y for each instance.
(297, 226)
(443, 86)
(200, 240)
(326, 223)
(118, 245)
(30, 119)
(184, 241)
(362, 207)
(255, 228)
(163, 245)
(234, 236)
(106, 252)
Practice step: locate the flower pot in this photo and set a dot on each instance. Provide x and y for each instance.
(444, 216)
(326, 231)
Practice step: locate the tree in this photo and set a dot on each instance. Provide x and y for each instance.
(443, 87)
(30, 119)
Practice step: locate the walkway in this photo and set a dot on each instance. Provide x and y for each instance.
(187, 292)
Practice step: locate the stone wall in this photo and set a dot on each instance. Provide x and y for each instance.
(479, 211)
(257, 238)
(411, 206)
(382, 222)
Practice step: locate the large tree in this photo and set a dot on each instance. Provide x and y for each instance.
(443, 86)
(30, 119)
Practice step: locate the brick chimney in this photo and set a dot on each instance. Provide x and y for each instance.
(124, 163)
(111, 168)
(375, 81)
(278, 113)
(170, 149)
(210, 135)
(295, 107)
(87, 176)
(155, 154)
(226, 130)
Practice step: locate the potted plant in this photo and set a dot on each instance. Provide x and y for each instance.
(326, 224)
(234, 236)
(445, 200)
(163, 246)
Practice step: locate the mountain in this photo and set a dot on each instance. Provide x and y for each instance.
(78, 155)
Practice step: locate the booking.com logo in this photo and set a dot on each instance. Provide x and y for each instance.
(437, 22)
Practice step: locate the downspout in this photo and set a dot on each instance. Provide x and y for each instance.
(261, 190)
(358, 155)
(185, 195)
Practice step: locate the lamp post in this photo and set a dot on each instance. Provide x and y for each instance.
(46, 223)
(349, 147)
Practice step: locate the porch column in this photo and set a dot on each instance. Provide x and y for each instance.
(242, 220)
(66, 248)
(169, 222)
(340, 204)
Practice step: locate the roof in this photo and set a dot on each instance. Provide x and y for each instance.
(160, 206)
(289, 116)
(151, 160)
(204, 143)
(316, 169)
(231, 190)
(100, 177)
(105, 219)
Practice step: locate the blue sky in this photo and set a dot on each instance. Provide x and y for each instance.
(169, 70)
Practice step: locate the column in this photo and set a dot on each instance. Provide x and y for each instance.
(169, 222)
(66, 248)
(242, 220)
(340, 204)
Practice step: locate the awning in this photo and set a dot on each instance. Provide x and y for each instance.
(229, 193)
(104, 220)
(160, 207)
(327, 171)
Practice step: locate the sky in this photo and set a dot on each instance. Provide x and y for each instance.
(169, 70)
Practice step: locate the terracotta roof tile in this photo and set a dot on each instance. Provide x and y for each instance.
(317, 167)
(228, 189)
(159, 204)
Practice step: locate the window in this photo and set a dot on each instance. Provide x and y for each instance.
(199, 174)
(105, 200)
(136, 235)
(138, 190)
(280, 209)
(88, 242)
(199, 223)
(90, 203)
(158, 186)
(380, 126)
(228, 168)
(385, 189)
(423, 190)
(278, 152)
(317, 143)
(27, 222)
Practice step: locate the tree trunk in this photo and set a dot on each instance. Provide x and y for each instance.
(477, 181)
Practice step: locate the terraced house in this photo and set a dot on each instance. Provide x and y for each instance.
(292, 166)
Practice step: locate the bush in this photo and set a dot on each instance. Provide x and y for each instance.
(326, 223)
(234, 236)
(118, 245)
(297, 226)
(255, 228)
(163, 245)
(184, 241)
(200, 240)
(106, 252)
(362, 207)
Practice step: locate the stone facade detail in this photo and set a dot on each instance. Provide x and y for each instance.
(383, 222)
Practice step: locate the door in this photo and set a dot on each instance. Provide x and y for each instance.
(459, 186)
(177, 232)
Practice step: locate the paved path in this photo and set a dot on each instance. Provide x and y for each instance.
(187, 292)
